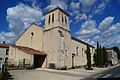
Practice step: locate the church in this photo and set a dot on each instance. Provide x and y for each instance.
(51, 45)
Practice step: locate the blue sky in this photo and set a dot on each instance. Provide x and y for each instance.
(90, 20)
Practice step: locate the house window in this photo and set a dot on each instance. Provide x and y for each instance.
(6, 51)
(52, 18)
(49, 19)
(65, 20)
(6, 59)
(77, 51)
(0, 58)
(62, 18)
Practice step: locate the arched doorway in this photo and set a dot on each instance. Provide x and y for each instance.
(73, 63)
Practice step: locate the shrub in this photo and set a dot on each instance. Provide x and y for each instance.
(89, 68)
(88, 55)
(77, 67)
(62, 68)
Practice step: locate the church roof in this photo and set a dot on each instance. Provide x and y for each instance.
(29, 50)
(82, 42)
(58, 8)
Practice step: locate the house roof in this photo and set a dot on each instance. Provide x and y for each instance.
(109, 48)
(58, 9)
(29, 50)
(4, 45)
(82, 42)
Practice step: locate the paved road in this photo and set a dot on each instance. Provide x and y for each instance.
(40, 75)
(75, 74)
(112, 74)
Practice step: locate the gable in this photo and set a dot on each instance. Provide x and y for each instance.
(32, 37)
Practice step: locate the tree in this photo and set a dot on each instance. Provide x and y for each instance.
(95, 58)
(98, 56)
(116, 49)
(105, 57)
(88, 54)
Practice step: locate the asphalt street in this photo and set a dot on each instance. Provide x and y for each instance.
(112, 74)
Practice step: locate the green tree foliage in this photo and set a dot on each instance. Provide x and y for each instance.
(95, 58)
(116, 49)
(100, 56)
(105, 56)
(88, 54)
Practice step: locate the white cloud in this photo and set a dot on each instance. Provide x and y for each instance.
(113, 30)
(54, 3)
(88, 29)
(100, 8)
(80, 16)
(87, 9)
(109, 37)
(84, 16)
(87, 4)
(8, 37)
(106, 23)
(75, 5)
(110, 41)
(20, 18)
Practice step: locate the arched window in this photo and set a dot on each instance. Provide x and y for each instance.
(49, 20)
(32, 33)
(65, 52)
(77, 51)
(65, 20)
(59, 16)
(52, 18)
(60, 33)
(62, 18)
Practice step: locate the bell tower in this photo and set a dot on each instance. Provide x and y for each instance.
(56, 37)
(57, 18)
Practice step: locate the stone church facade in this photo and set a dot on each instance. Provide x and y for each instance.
(50, 45)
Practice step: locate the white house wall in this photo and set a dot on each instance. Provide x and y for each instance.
(3, 54)
(16, 56)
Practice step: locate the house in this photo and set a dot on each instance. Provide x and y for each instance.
(112, 56)
(51, 45)
(4, 48)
